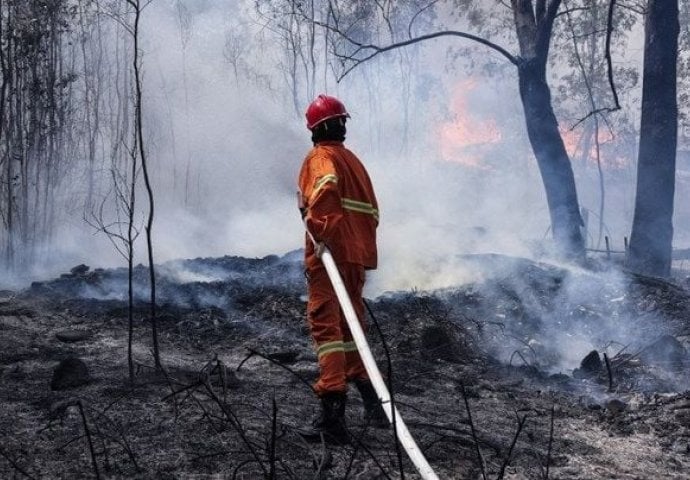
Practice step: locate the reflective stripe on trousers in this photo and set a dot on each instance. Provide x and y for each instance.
(339, 360)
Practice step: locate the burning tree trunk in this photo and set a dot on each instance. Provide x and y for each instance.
(652, 230)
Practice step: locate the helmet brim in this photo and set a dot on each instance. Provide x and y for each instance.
(316, 124)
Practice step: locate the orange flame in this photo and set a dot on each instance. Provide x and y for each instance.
(575, 143)
(465, 139)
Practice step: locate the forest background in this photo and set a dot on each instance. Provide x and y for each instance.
(224, 85)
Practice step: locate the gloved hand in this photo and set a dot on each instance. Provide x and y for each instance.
(319, 248)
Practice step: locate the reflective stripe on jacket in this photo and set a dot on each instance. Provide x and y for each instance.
(341, 207)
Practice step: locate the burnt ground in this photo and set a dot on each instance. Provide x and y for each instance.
(493, 356)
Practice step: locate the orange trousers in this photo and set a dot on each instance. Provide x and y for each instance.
(339, 360)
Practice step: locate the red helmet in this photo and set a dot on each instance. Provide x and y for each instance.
(323, 108)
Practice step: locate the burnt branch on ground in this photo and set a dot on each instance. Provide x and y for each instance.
(239, 368)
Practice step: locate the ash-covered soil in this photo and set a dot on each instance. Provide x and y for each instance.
(491, 376)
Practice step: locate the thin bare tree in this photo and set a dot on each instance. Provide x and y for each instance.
(138, 7)
(115, 213)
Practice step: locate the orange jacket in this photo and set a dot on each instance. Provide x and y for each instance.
(341, 208)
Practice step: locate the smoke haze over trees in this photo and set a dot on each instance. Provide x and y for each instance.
(440, 122)
(515, 147)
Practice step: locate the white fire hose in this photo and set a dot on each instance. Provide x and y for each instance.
(404, 435)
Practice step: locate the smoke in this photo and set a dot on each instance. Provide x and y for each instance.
(551, 317)
(225, 144)
(445, 145)
(224, 150)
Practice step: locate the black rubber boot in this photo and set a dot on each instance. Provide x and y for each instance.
(373, 411)
(330, 424)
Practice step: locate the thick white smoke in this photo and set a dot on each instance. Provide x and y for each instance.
(225, 145)
(445, 146)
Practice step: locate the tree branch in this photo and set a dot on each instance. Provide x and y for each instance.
(94, 462)
(506, 462)
(548, 451)
(571, 10)
(480, 458)
(545, 28)
(394, 46)
(14, 464)
(637, 9)
(609, 63)
(592, 113)
(419, 12)
(369, 50)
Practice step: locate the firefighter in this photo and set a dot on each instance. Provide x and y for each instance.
(339, 208)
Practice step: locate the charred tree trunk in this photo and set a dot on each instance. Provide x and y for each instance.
(552, 158)
(147, 181)
(131, 236)
(534, 28)
(652, 231)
